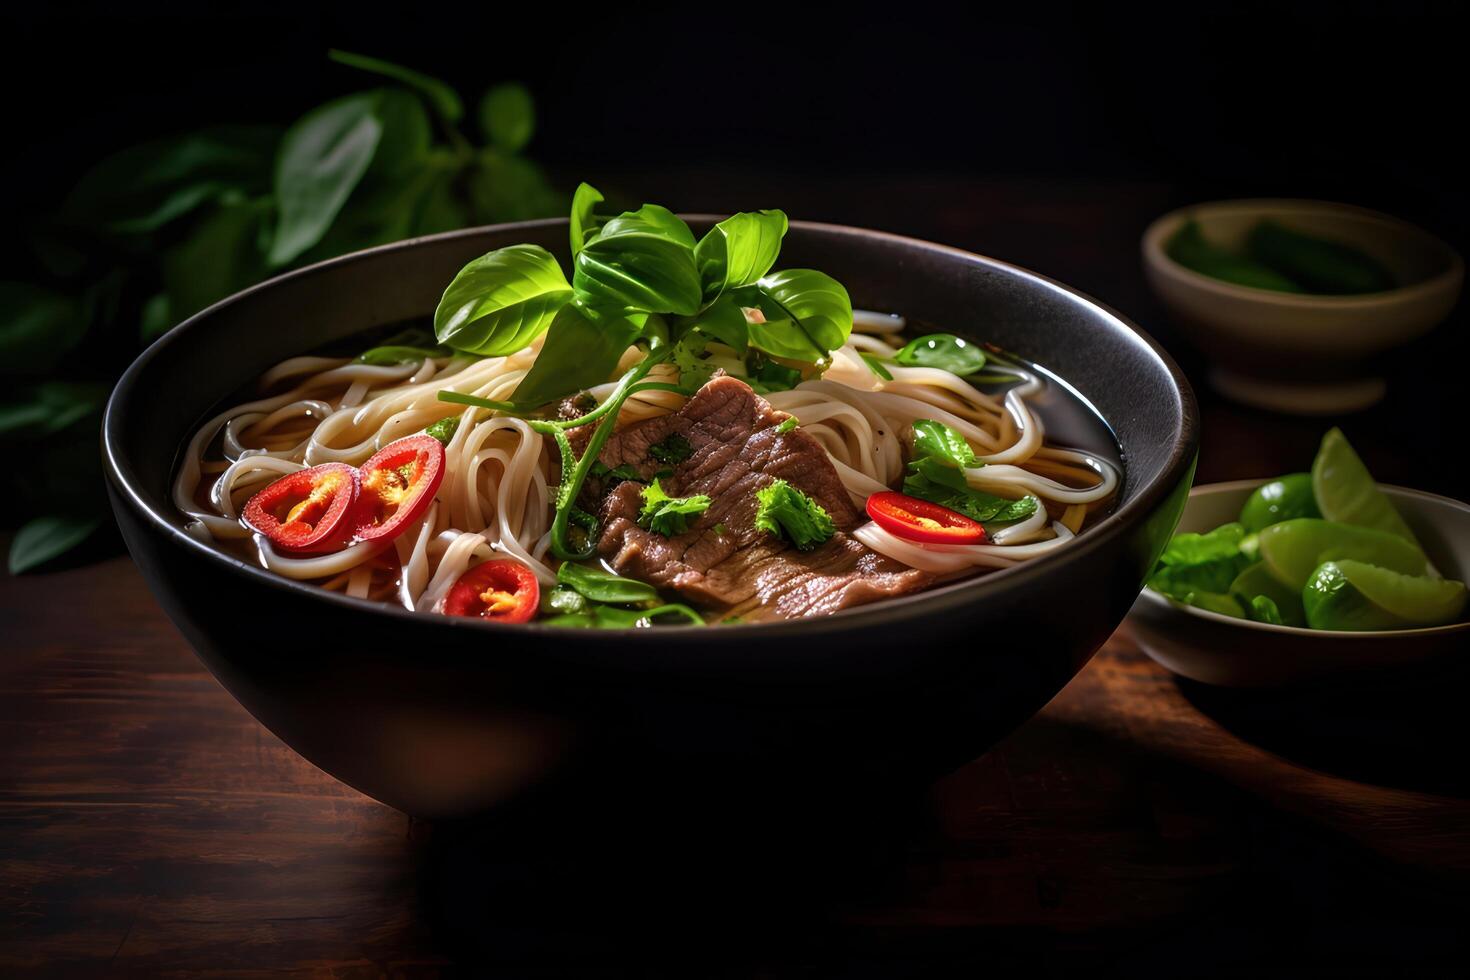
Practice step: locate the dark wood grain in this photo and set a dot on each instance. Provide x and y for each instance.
(1139, 824)
(149, 826)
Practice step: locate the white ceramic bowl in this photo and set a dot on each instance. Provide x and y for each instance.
(1218, 649)
(1295, 353)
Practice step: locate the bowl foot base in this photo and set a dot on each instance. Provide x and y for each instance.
(1299, 397)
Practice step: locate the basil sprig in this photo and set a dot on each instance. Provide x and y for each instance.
(936, 474)
(638, 278)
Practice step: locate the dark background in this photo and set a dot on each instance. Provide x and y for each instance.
(1353, 101)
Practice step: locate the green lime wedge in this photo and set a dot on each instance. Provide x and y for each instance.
(1280, 500)
(1351, 595)
(1257, 580)
(1293, 549)
(1345, 490)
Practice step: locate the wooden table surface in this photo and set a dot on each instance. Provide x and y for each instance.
(1140, 824)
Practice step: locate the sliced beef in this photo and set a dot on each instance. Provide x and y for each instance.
(723, 562)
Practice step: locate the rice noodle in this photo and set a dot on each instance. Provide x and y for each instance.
(498, 488)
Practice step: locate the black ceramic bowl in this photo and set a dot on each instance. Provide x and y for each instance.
(443, 717)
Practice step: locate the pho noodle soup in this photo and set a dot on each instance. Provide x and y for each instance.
(677, 435)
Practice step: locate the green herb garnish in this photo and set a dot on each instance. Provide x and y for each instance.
(876, 366)
(667, 515)
(788, 424)
(784, 510)
(944, 351)
(444, 429)
(936, 474)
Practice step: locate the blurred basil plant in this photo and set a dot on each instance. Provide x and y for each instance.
(157, 232)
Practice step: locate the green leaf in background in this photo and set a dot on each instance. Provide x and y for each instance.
(38, 326)
(501, 301)
(944, 351)
(808, 314)
(505, 187)
(143, 188)
(641, 260)
(508, 116)
(220, 255)
(48, 408)
(739, 250)
(156, 318)
(40, 540)
(584, 220)
(323, 157)
(582, 349)
(444, 99)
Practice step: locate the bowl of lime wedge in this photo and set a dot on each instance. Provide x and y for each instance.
(1308, 576)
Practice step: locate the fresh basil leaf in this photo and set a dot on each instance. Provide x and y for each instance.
(407, 137)
(937, 483)
(876, 366)
(936, 440)
(651, 219)
(143, 188)
(807, 314)
(944, 351)
(601, 586)
(444, 99)
(641, 260)
(322, 159)
(508, 116)
(739, 250)
(582, 349)
(501, 301)
(724, 321)
(611, 617)
(400, 355)
(1193, 549)
(584, 220)
(38, 327)
(44, 538)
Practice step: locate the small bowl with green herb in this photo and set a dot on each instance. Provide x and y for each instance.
(1308, 576)
(1293, 300)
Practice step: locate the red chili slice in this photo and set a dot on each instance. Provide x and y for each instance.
(309, 512)
(919, 520)
(398, 484)
(502, 591)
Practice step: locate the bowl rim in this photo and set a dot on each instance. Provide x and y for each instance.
(1152, 246)
(1178, 466)
(1233, 486)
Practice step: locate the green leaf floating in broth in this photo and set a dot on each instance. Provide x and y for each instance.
(944, 351)
(502, 301)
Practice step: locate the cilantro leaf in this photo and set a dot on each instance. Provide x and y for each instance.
(783, 509)
(666, 515)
